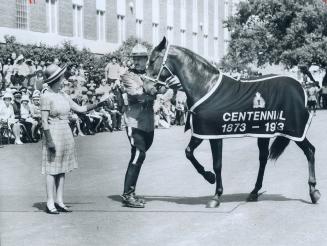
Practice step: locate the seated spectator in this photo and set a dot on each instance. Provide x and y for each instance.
(36, 113)
(26, 116)
(94, 116)
(7, 116)
(17, 106)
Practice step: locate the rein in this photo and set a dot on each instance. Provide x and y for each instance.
(163, 66)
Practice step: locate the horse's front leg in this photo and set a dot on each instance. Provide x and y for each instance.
(263, 144)
(189, 152)
(216, 150)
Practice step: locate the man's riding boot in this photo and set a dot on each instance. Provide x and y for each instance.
(130, 200)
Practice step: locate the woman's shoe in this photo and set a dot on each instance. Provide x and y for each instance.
(18, 142)
(52, 211)
(62, 209)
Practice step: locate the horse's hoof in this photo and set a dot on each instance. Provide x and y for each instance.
(253, 197)
(210, 177)
(213, 203)
(315, 196)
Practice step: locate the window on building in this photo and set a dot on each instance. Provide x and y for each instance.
(139, 18)
(139, 9)
(170, 34)
(195, 16)
(205, 17)
(183, 14)
(52, 15)
(205, 46)
(22, 14)
(183, 38)
(101, 23)
(78, 20)
(215, 31)
(155, 11)
(195, 42)
(155, 33)
(139, 29)
(226, 33)
(121, 29)
(101, 19)
(215, 49)
(170, 13)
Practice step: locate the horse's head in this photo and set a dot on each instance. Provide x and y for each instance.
(158, 69)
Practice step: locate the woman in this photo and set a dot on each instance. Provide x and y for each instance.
(58, 150)
(7, 116)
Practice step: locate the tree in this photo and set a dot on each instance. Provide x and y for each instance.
(288, 32)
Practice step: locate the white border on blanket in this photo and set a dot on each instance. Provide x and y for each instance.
(206, 96)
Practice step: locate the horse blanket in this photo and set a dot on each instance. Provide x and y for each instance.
(267, 107)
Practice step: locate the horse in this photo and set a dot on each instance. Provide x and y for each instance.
(199, 78)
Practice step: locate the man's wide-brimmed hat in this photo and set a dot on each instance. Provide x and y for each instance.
(53, 72)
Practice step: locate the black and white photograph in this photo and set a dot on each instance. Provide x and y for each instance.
(163, 122)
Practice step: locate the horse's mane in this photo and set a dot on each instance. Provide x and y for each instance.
(197, 62)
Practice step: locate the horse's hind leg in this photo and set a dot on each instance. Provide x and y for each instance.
(263, 144)
(189, 152)
(216, 149)
(309, 151)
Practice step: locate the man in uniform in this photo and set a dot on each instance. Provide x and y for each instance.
(139, 118)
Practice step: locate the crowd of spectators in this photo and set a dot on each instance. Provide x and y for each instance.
(21, 84)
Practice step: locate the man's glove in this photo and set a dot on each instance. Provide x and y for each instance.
(50, 144)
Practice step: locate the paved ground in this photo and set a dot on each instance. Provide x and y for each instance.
(176, 195)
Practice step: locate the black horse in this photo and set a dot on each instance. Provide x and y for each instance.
(169, 60)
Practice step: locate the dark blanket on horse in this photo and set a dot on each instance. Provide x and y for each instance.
(267, 107)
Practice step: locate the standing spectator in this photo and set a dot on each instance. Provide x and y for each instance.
(58, 150)
(81, 71)
(112, 71)
(7, 115)
(8, 71)
(21, 71)
(312, 92)
(32, 71)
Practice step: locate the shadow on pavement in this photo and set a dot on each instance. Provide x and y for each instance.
(202, 200)
(40, 205)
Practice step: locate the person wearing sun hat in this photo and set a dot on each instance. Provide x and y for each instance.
(7, 115)
(26, 116)
(58, 148)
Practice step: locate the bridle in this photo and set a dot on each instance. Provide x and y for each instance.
(163, 66)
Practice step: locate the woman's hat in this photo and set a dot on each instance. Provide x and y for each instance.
(53, 72)
(19, 58)
(25, 98)
(7, 95)
(36, 94)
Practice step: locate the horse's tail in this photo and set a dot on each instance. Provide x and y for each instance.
(277, 148)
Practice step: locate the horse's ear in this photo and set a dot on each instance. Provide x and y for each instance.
(162, 44)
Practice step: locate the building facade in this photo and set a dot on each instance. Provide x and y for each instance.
(102, 25)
